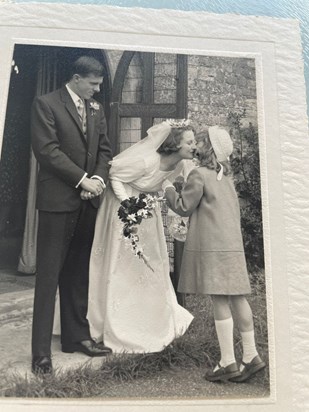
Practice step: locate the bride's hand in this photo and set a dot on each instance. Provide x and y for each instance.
(125, 202)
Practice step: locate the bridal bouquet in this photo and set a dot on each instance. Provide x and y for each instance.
(131, 212)
(178, 227)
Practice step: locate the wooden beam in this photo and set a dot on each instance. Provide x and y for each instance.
(120, 75)
(182, 86)
(152, 110)
(148, 88)
(148, 76)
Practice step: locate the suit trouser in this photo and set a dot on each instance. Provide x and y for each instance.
(63, 252)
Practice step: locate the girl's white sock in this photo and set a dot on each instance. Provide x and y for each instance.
(248, 346)
(224, 330)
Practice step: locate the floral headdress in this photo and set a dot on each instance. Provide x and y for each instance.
(178, 123)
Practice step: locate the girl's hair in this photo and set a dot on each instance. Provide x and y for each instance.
(172, 143)
(207, 155)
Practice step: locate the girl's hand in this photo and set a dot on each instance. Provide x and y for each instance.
(166, 183)
(178, 183)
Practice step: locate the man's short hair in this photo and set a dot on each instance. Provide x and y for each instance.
(85, 66)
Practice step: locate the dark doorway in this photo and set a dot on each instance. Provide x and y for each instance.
(39, 70)
(14, 165)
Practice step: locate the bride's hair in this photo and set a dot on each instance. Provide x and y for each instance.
(172, 143)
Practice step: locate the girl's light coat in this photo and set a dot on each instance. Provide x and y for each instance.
(213, 260)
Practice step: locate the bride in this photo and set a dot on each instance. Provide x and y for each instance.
(132, 308)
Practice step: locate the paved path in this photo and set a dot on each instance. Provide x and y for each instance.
(15, 336)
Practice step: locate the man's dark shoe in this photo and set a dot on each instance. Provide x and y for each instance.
(250, 369)
(41, 365)
(223, 373)
(89, 347)
(103, 347)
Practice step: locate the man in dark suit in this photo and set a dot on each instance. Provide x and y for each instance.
(68, 130)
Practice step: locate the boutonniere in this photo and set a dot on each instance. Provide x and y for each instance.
(94, 107)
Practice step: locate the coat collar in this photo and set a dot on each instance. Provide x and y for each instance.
(90, 119)
(71, 108)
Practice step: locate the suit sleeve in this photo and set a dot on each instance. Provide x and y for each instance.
(104, 155)
(46, 146)
(185, 203)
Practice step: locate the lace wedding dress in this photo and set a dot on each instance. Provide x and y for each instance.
(132, 308)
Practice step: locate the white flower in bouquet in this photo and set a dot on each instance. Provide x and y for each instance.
(178, 227)
(131, 212)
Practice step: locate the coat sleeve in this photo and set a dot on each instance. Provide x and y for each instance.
(104, 155)
(46, 146)
(185, 203)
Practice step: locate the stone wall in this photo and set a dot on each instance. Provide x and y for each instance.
(165, 78)
(219, 85)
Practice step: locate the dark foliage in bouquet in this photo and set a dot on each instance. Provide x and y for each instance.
(132, 212)
(130, 207)
(246, 171)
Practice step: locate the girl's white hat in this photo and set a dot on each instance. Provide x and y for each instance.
(221, 143)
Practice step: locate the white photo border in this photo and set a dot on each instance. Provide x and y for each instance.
(229, 36)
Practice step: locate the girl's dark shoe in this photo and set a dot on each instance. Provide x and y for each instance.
(41, 365)
(223, 373)
(249, 369)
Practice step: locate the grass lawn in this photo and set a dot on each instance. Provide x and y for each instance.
(176, 372)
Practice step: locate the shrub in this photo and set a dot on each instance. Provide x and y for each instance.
(246, 169)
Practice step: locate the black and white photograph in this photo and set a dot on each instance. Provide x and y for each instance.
(135, 258)
(174, 255)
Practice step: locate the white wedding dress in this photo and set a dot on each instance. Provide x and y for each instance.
(131, 308)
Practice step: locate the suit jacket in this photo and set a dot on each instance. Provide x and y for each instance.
(63, 152)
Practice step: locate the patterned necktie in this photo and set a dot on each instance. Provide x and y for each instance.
(82, 115)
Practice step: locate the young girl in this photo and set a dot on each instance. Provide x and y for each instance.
(214, 262)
